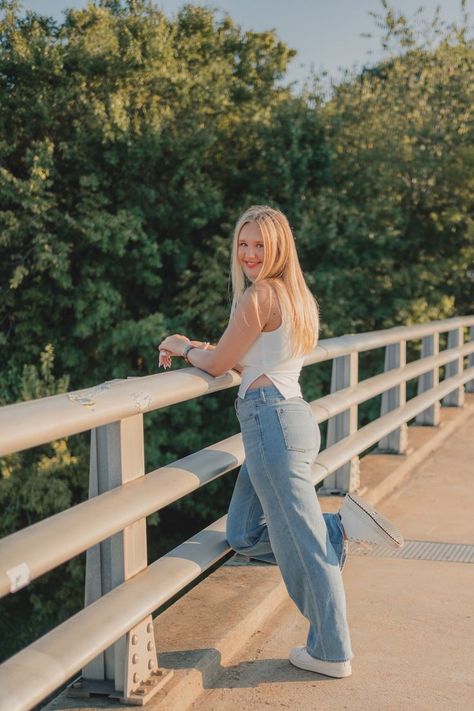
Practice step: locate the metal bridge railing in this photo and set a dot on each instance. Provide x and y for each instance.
(111, 639)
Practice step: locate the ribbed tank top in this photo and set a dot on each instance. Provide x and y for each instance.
(269, 356)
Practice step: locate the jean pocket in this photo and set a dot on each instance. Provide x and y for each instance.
(297, 428)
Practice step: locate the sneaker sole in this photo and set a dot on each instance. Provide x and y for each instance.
(389, 533)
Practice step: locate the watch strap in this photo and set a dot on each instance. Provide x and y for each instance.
(186, 351)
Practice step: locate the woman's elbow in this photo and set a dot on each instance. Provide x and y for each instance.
(212, 369)
(217, 370)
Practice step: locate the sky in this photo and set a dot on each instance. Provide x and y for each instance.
(325, 33)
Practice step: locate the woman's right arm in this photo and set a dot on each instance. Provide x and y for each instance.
(250, 317)
(209, 347)
(244, 328)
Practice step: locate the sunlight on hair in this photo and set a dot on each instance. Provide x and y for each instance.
(281, 268)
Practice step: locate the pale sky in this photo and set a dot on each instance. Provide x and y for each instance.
(326, 33)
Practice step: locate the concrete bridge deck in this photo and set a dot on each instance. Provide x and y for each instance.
(411, 619)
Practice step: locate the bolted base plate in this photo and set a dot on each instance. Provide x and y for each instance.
(87, 688)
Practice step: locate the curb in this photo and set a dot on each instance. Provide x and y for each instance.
(196, 670)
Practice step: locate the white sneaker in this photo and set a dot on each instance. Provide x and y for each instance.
(362, 523)
(300, 657)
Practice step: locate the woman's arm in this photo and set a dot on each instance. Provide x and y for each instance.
(209, 347)
(250, 317)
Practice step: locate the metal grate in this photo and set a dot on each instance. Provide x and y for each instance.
(418, 550)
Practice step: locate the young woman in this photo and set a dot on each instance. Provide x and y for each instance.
(274, 514)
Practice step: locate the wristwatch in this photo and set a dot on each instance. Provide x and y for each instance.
(186, 350)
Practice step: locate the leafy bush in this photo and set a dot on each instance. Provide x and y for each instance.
(129, 144)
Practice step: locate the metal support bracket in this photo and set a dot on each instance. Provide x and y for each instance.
(142, 676)
(395, 442)
(430, 416)
(127, 670)
(456, 398)
(345, 373)
(469, 387)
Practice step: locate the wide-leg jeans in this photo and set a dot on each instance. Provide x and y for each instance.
(274, 515)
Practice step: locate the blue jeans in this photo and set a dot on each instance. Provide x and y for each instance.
(274, 515)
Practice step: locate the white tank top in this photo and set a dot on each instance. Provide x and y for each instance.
(269, 356)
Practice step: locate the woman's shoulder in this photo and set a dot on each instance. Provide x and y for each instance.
(261, 295)
(263, 290)
(262, 299)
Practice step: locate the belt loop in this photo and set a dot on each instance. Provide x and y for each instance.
(262, 394)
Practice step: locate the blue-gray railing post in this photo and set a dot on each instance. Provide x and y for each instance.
(456, 397)
(396, 442)
(345, 373)
(117, 457)
(470, 362)
(430, 416)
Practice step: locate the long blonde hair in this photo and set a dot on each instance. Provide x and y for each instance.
(281, 267)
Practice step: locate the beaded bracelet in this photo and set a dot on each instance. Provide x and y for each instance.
(186, 351)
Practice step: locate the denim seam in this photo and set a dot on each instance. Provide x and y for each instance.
(282, 508)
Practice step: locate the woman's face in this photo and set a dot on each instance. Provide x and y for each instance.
(250, 250)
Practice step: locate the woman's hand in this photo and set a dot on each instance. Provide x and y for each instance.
(164, 359)
(174, 345)
(171, 346)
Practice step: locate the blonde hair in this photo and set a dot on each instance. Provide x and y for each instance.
(281, 268)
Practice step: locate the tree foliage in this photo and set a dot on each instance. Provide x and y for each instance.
(399, 204)
(115, 128)
(129, 144)
(34, 485)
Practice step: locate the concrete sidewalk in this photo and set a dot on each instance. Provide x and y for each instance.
(410, 620)
(228, 638)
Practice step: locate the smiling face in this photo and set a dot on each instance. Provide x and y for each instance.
(250, 250)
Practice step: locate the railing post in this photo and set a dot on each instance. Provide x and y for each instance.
(470, 363)
(396, 442)
(345, 373)
(427, 381)
(456, 397)
(117, 457)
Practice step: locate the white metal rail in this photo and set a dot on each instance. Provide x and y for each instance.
(121, 590)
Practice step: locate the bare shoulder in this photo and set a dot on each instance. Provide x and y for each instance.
(264, 301)
(263, 291)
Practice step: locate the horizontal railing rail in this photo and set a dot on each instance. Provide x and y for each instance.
(53, 541)
(56, 656)
(49, 662)
(30, 424)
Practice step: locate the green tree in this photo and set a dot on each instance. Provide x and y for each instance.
(129, 144)
(393, 225)
(114, 131)
(34, 485)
